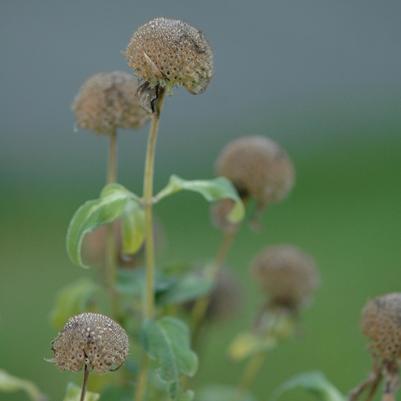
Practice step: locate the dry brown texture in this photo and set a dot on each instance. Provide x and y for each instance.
(171, 52)
(107, 101)
(258, 167)
(288, 275)
(381, 322)
(92, 339)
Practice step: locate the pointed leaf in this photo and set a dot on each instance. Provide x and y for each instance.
(11, 384)
(212, 190)
(315, 383)
(133, 228)
(167, 342)
(72, 300)
(112, 204)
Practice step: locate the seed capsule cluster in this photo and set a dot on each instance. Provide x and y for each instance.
(287, 275)
(258, 167)
(90, 339)
(107, 101)
(381, 323)
(171, 52)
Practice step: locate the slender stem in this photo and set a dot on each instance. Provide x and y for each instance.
(148, 198)
(201, 305)
(111, 266)
(249, 374)
(374, 386)
(112, 162)
(84, 383)
(149, 307)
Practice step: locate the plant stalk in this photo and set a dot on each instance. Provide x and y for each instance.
(201, 305)
(111, 266)
(149, 307)
(84, 383)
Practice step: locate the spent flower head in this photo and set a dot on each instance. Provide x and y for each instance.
(166, 52)
(287, 275)
(258, 167)
(107, 101)
(92, 340)
(381, 323)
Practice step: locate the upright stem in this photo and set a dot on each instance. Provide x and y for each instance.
(201, 305)
(111, 267)
(148, 200)
(84, 383)
(149, 309)
(112, 162)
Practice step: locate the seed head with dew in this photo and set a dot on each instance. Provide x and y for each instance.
(166, 52)
(92, 340)
(381, 323)
(258, 167)
(107, 101)
(287, 275)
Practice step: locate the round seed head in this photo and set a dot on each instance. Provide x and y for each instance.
(287, 275)
(90, 339)
(107, 101)
(170, 52)
(381, 323)
(258, 167)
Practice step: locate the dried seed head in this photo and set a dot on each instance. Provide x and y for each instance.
(381, 322)
(107, 101)
(258, 168)
(90, 339)
(170, 52)
(287, 275)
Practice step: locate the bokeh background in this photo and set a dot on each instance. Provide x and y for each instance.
(320, 77)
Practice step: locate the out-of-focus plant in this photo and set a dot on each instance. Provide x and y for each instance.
(157, 311)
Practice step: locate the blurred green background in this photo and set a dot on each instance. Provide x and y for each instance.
(321, 79)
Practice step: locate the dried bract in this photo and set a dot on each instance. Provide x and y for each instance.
(107, 101)
(93, 340)
(169, 52)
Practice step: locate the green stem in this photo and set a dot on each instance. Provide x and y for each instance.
(201, 305)
(111, 266)
(149, 307)
(250, 372)
(85, 382)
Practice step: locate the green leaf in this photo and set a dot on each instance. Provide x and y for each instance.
(72, 300)
(11, 384)
(187, 288)
(315, 383)
(167, 342)
(73, 393)
(133, 228)
(222, 393)
(114, 201)
(212, 190)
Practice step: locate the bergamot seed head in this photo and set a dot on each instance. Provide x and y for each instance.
(93, 340)
(169, 52)
(107, 101)
(381, 323)
(287, 275)
(258, 167)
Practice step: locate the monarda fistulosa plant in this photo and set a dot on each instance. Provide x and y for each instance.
(141, 321)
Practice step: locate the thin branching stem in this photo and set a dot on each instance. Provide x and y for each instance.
(201, 305)
(149, 306)
(111, 266)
